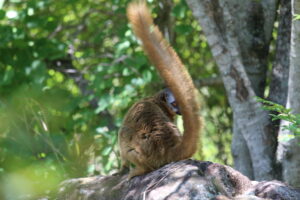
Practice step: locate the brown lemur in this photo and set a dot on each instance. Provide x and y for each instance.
(148, 138)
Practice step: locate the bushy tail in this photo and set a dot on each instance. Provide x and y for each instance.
(171, 70)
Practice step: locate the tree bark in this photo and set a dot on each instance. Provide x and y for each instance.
(233, 55)
(288, 151)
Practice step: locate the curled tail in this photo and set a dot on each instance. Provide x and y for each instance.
(173, 72)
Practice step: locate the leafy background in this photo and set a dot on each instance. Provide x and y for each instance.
(69, 71)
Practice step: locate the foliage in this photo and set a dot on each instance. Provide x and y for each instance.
(285, 114)
(296, 17)
(69, 70)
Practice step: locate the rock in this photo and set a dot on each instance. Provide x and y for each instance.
(184, 180)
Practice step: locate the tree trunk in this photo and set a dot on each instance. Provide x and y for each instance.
(240, 152)
(288, 151)
(237, 44)
(280, 69)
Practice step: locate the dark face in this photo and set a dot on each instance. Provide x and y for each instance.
(170, 99)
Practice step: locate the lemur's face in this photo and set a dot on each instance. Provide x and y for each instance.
(170, 99)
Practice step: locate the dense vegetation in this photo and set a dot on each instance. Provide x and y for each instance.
(69, 70)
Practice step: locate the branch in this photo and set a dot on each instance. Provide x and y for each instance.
(66, 67)
(210, 82)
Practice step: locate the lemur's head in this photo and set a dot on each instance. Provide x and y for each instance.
(171, 101)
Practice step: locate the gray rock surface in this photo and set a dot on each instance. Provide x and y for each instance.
(184, 180)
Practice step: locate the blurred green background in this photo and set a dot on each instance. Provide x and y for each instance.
(69, 71)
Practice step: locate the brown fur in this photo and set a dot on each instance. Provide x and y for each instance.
(149, 138)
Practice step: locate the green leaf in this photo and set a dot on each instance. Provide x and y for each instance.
(184, 29)
(296, 17)
(147, 76)
(122, 45)
(8, 76)
(103, 103)
(107, 150)
(179, 11)
(2, 14)
(285, 138)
